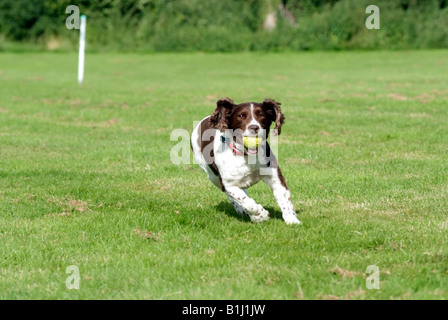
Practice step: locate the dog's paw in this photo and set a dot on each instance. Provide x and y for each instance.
(260, 215)
(291, 219)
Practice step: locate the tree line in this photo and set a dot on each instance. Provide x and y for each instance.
(227, 25)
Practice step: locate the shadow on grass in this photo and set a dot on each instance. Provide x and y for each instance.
(227, 208)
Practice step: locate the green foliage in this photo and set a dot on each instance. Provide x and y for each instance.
(229, 25)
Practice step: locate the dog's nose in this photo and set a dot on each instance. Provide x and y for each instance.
(253, 128)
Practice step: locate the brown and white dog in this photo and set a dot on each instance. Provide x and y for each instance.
(218, 148)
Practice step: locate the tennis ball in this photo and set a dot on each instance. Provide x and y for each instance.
(251, 142)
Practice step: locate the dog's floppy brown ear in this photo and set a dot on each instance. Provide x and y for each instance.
(220, 117)
(279, 117)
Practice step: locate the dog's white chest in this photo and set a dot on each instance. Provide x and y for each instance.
(237, 170)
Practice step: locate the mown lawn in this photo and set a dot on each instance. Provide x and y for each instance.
(86, 177)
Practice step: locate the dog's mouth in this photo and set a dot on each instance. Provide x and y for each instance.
(250, 151)
(249, 148)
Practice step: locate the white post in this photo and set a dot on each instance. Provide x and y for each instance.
(82, 47)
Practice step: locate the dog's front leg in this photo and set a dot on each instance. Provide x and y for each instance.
(237, 207)
(255, 211)
(282, 196)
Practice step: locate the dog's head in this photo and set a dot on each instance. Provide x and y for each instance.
(247, 119)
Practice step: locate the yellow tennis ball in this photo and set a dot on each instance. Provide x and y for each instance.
(251, 142)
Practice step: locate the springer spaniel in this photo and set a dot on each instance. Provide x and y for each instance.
(220, 147)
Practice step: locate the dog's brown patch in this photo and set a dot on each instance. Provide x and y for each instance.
(204, 145)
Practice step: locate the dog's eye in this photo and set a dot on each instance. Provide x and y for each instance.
(240, 116)
(261, 114)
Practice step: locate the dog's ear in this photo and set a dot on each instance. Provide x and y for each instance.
(220, 117)
(277, 116)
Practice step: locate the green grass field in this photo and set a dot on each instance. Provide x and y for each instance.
(86, 177)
